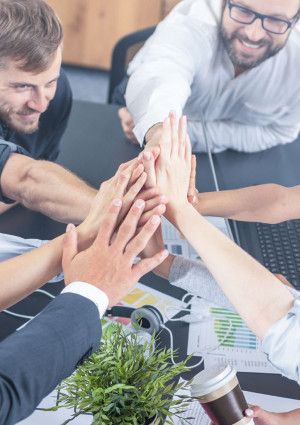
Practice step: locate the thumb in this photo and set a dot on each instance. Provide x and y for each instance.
(70, 249)
(155, 150)
(266, 418)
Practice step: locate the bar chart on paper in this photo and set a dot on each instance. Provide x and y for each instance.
(231, 331)
(225, 339)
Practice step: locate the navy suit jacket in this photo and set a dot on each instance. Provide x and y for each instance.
(35, 359)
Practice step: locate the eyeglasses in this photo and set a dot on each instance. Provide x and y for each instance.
(247, 16)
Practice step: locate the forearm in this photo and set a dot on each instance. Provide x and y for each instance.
(292, 417)
(263, 203)
(22, 275)
(241, 137)
(54, 191)
(252, 289)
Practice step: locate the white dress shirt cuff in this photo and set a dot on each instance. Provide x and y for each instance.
(282, 343)
(89, 291)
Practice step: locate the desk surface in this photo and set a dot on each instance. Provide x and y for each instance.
(93, 147)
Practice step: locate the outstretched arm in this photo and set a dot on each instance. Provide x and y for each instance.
(266, 203)
(253, 290)
(46, 187)
(45, 262)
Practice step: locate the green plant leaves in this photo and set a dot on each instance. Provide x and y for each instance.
(121, 385)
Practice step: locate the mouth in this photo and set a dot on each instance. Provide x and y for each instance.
(29, 117)
(249, 47)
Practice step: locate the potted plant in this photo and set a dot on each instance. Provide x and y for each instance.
(125, 383)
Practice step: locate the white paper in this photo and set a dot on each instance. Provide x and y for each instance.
(177, 245)
(225, 339)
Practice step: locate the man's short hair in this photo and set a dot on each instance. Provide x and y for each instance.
(30, 34)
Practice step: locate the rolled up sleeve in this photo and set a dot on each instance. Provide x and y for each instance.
(282, 343)
(6, 149)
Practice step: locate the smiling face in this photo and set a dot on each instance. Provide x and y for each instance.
(248, 45)
(24, 96)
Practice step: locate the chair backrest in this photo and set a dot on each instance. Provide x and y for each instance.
(124, 51)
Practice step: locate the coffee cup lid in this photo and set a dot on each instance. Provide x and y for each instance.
(211, 380)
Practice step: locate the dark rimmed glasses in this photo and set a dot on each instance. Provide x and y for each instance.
(246, 16)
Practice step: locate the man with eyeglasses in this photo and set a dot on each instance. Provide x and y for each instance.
(231, 66)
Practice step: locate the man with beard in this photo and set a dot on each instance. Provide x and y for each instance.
(231, 66)
(35, 103)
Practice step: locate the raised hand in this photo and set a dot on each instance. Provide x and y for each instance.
(173, 166)
(109, 264)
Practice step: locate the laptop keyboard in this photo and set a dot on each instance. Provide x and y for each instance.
(280, 248)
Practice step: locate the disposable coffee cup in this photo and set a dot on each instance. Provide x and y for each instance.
(219, 392)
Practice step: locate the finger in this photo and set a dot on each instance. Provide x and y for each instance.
(149, 166)
(159, 210)
(155, 150)
(136, 174)
(140, 241)
(182, 133)
(192, 181)
(283, 280)
(128, 228)
(188, 150)
(108, 223)
(123, 179)
(148, 193)
(131, 195)
(174, 134)
(262, 415)
(135, 189)
(70, 246)
(147, 264)
(154, 202)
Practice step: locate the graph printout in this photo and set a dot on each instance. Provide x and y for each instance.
(225, 339)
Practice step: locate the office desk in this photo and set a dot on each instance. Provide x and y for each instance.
(93, 147)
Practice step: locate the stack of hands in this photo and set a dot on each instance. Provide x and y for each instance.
(124, 222)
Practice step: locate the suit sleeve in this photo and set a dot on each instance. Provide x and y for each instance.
(36, 359)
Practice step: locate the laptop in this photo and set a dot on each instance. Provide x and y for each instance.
(276, 246)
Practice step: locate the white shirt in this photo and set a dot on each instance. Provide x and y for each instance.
(90, 292)
(282, 343)
(184, 67)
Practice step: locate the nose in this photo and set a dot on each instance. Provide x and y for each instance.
(39, 100)
(255, 31)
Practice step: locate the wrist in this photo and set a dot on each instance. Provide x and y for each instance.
(163, 270)
(153, 134)
(176, 210)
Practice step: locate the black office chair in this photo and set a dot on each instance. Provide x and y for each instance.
(124, 51)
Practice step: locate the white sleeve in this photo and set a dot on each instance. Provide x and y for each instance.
(162, 73)
(12, 246)
(89, 291)
(223, 135)
(282, 343)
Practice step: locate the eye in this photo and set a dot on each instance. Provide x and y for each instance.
(22, 87)
(51, 84)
